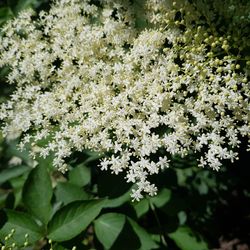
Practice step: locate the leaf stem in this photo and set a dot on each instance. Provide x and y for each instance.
(162, 236)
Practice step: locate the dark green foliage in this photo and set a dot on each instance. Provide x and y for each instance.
(37, 194)
(188, 213)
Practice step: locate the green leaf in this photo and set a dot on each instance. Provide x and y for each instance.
(141, 207)
(46, 163)
(185, 239)
(117, 202)
(72, 219)
(5, 14)
(92, 156)
(13, 172)
(140, 19)
(22, 224)
(67, 192)
(182, 216)
(24, 4)
(127, 239)
(108, 227)
(37, 194)
(17, 184)
(147, 243)
(12, 150)
(80, 175)
(3, 197)
(161, 198)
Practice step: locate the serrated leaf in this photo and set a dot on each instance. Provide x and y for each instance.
(22, 224)
(37, 194)
(185, 239)
(80, 175)
(67, 192)
(147, 243)
(108, 227)
(72, 219)
(13, 172)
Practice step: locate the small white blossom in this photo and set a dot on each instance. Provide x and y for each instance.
(110, 86)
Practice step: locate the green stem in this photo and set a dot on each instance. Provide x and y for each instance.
(163, 240)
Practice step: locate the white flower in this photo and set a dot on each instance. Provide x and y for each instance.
(14, 161)
(110, 87)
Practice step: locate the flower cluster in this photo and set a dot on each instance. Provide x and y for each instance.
(138, 80)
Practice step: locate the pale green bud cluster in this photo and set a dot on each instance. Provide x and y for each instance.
(10, 242)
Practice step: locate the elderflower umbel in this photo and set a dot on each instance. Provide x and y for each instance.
(90, 77)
